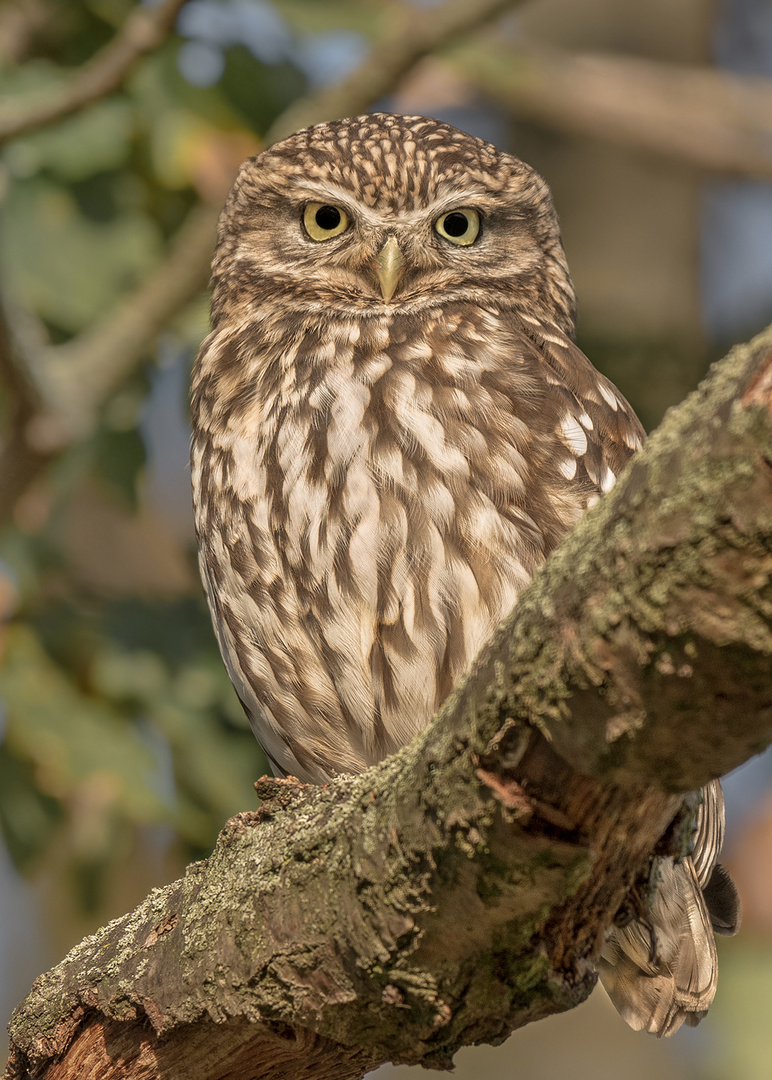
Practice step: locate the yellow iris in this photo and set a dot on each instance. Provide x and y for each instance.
(322, 221)
(460, 227)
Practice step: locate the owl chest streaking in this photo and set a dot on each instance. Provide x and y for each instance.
(392, 429)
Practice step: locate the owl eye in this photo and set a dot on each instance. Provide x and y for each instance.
(323, 221)
(461, 227)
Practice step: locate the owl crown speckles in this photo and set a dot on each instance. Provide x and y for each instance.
(392, 430)
(399, 163)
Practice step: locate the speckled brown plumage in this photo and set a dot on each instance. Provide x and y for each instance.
(392, 429)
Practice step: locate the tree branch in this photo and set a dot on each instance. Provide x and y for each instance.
(707, 117)
(463, 887)
(143, 31)
(35, 424)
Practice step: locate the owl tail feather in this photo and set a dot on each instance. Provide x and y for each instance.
(661, 977)
(662, 973)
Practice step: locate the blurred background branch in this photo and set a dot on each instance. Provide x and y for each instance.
(77, 377)
(709, 118)
(144, 30)
(410, 35)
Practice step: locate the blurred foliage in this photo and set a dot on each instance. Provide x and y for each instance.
(742, 1010)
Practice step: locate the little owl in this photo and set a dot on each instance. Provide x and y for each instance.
(392, 430)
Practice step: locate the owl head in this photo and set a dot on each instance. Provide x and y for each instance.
(383, 211)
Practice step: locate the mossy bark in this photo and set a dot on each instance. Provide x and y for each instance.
(463, 887)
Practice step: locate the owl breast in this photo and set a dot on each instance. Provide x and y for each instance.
(368, 495)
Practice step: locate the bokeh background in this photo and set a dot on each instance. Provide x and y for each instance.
(122, 747)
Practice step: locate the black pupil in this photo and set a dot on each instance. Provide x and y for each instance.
(456, 224)
(327, 217)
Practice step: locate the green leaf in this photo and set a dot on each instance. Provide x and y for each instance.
(120, 458)
(259, 93)
(79, 747)
(29, 819)
(67, 267)
(95, 140)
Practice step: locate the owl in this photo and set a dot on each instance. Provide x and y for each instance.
(392, 429)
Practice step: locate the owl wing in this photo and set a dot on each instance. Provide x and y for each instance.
(660, 973)
(597, 422)
(663, 973)
(661, 976)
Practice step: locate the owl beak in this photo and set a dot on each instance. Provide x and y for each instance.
(389, 266)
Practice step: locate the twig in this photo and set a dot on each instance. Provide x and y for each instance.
(707, 117)
(143, 31)
(416, 34)
(75, 379)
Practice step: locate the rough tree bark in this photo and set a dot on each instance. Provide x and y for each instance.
(463, 887)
